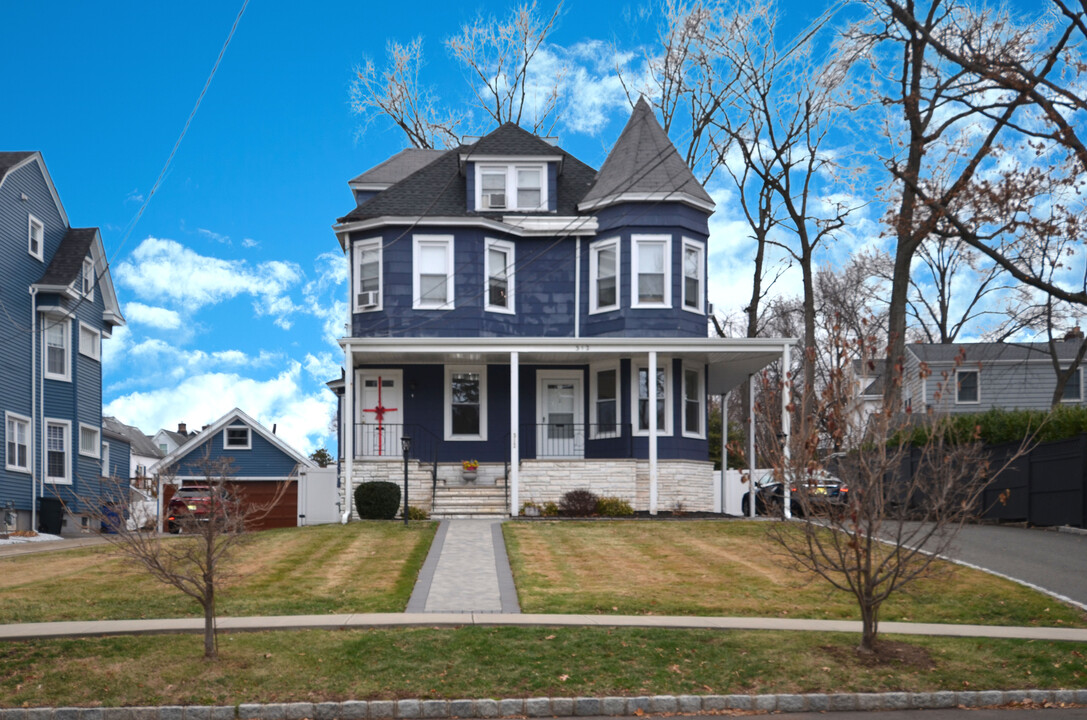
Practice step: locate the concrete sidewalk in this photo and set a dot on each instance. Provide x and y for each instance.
(467, 570)
(30, 631)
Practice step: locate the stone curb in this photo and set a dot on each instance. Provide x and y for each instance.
(550, 707)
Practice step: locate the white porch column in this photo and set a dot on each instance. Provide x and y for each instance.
(515, 411)
(651, 394)
(348, 431)
(786, 399)
(724, 454)
(751, 506)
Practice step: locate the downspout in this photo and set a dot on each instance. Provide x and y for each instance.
(33, 407)
(577, 288)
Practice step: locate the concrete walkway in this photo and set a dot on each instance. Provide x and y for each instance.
(466, 571)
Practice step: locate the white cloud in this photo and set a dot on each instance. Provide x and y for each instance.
(323, 366)
(156, 317)
(217, 237)
(135, 196)
(249, 243)
(115, 348)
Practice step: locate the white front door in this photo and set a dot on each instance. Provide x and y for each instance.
(560, 432)
(379, 413)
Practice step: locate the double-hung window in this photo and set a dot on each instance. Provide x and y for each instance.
(57, 443)
(237, 438)
(57, 333)
(498, 273)
(88, 279)
(967, 386)
(17, 437)
(35, 237)
(641, 391)
(1073, 389)
(465, 403)
(651, 271)
(604, 410)
(694, 408)
(529, 188)
(90, 440)
(432, 276)
(368, 275)
(693, 271)
(511, 187)
(604, 275)
(90, 342)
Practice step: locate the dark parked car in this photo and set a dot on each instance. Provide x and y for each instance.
(194, 503)
(821, 490)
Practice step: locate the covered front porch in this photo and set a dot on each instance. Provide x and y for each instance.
(544, 415)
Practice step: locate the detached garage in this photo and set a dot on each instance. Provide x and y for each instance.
(260, 463)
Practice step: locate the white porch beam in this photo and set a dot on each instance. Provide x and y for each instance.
(348, 431)
(651, 395)
(786, 399)
(515, 454)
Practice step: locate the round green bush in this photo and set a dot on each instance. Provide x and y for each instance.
(378, 500)
(613, 507)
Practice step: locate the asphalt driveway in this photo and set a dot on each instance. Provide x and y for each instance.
(1054, 561)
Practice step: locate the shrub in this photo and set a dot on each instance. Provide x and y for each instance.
(613, 507)
(377, 500)
(998, 426)
(531, 509)
(550, 509)
(417, 513)
(578, 503)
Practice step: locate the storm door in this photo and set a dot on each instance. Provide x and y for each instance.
(561, 429)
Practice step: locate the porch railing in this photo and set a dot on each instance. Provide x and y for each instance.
(571, 440)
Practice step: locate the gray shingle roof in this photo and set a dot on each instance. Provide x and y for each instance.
(989, 352)
(9, 160)
(644, 161)
(399, 166)
(140, 443)
(67, 262)
(875, 372)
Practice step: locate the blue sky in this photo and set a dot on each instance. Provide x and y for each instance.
(232, 282)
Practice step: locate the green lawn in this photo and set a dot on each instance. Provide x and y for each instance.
(732, 568)
(359, 567)
(472, 662)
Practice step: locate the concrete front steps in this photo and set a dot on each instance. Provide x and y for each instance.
(469, 501)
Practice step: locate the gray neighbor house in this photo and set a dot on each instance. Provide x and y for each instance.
(990, 375)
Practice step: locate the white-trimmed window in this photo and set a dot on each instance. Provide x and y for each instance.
(1073, 389)
(604, 403)
(498, 276)
(90, 440)
(105, 460)
(432, 272)
(237, 437)
(16, 437)
(90, 341)
(604, 275)
(368, 275)
(511, 187)
(651, 271)
(967, 387)
(694, 403)
(35, 241)
(694, 269)
(58, 461)
(465, 402)
(88, 279)
(56, 360)
(640, 398)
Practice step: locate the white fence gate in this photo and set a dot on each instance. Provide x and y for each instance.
(318, 496)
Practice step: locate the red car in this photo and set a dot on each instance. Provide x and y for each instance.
(193, 503)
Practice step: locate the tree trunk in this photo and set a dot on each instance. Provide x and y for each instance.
(809, 334)
(210, 650)
(896, 327)
(869, 627)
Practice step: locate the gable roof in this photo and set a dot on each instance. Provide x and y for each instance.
(396, 168)
(645, 165)
(198, 439)
(9, 160)
(136, 439)
(67, 262)
(991, 352)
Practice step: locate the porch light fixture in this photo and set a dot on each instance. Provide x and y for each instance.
(405, 445)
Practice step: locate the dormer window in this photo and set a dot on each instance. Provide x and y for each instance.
(510, 187)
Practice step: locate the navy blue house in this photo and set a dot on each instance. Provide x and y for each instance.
(511, 305)
(59, 304)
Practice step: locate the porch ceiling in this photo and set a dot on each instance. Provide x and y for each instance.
(730, 360)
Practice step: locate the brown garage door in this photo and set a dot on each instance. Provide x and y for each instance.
(261, 494)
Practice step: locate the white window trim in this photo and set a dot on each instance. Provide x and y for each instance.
(664, 424)
(66, 328)
(701, 435)
(1079, 375)
(97, 451)
(512, 199)
(967, 402)
(31, 221)
(8, 417)
(248, 438)
(67, 425)
(418, 242)
(105, 459)
(594, 260)
(358, 249)
(688, 243)
(97, 347)
(448, 403)
(593, 420)
(635, 240)
(88, 268)
(511, 263)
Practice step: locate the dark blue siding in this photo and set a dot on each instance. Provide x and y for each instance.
(263, 459)
(120, 459)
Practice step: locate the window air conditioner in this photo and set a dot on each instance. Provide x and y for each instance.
(368, 299)
(495, 200)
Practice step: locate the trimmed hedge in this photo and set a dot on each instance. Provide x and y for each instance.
(996, 427)
(378, 500)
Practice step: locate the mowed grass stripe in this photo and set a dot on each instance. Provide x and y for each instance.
(734, 568)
